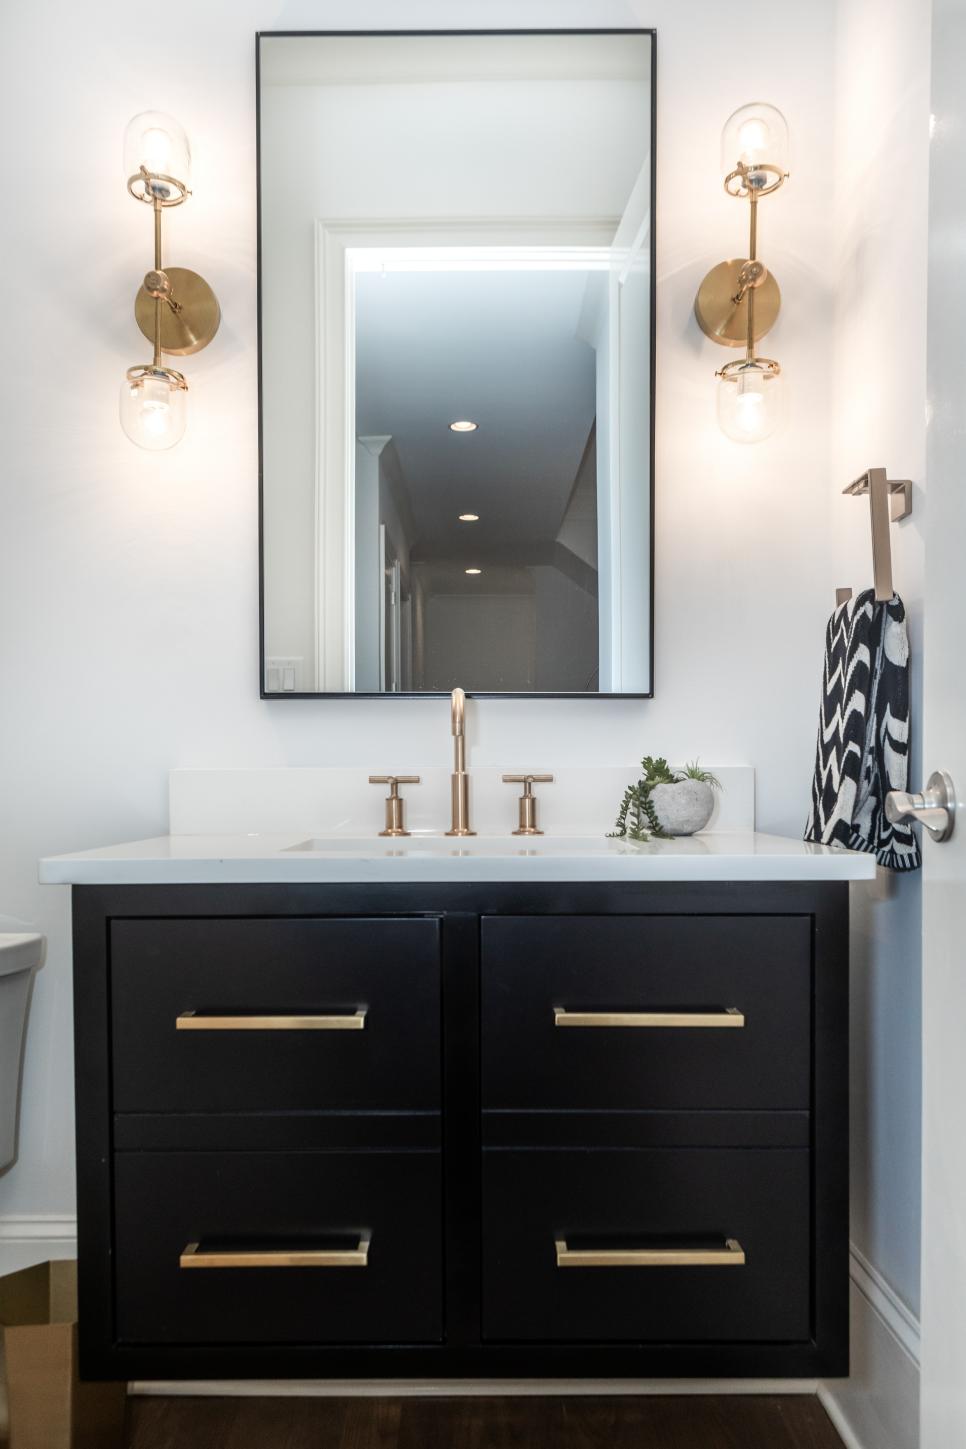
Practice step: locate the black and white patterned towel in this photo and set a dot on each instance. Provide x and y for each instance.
(863, 732)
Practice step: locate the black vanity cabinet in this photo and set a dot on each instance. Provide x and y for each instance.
(548, 1130)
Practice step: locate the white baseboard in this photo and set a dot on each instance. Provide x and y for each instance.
(35, 1237)
(877, 1406)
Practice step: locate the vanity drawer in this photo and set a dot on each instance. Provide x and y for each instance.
(256, 1014)
(261, 1208)
(646, 1012)
(671, 1245)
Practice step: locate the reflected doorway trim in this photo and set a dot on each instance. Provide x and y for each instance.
(343, 250)
(481, 694)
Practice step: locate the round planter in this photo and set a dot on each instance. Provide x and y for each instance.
(683, 808)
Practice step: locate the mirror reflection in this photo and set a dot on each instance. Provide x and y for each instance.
(456, 295)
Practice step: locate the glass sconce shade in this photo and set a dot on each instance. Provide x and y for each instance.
(154, 407)
(755, 138)
(157, 158)
(750, 400)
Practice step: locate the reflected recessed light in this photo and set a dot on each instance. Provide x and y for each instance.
(469, 518)
(463, 425)
(474, 571)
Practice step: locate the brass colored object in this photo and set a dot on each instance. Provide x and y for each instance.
(729, 1017)
(738, 302)
(747, 181)
(190, 314)
(395, 804)
(196, 1257)
(732, 1255)
(459, 780)
(167, 374)
(157, 189)
(341, 1021)
(175, 308)
(528, 801)
(761, 364)
(722, 304)
(890, 500)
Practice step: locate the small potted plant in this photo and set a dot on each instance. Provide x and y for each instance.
(665, 802)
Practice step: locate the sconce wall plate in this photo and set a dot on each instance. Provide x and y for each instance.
(187, 326)
(724, 319)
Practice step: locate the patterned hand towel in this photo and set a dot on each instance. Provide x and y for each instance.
(863, 732)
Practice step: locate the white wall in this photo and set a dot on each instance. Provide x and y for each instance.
(128, 583)
(879, 418)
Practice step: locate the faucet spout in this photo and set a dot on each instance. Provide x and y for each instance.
(457, 707)
(459, 780)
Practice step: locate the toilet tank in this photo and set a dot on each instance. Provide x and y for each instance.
(20, 955)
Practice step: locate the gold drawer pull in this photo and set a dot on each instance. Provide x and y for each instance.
(732, 1255)
(343, 1021)
(728, 1016)
(358, 1257)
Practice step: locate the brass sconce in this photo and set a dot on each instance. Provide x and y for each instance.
(739, 301)
(175, 309)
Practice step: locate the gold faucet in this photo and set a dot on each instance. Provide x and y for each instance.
(459, 780)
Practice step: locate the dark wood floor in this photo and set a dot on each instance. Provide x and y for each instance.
(699, 1422)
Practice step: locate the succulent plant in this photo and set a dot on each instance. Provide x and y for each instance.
(637, 817)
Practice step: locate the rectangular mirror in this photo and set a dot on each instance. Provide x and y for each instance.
(456, 311)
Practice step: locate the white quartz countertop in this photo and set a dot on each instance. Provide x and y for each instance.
(271, 858)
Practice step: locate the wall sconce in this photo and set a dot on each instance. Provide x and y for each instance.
(739, 301)
(175, 309)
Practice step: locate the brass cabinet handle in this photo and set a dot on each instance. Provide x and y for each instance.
(194, 1256)
(342, 1021)
(727, 1016)
(732, 1255)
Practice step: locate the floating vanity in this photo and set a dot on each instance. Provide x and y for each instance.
(556, 1108)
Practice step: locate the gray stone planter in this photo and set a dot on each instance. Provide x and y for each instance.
(683, 808)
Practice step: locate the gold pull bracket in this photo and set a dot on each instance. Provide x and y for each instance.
(343, 1021)
(729, 1017)
(732, 1255)
(528, 801)
(194, 1256)
(395, 804)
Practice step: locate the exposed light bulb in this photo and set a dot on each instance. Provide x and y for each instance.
(156, 150)
(156, 145)
(750, 403)
(153, 409)
(756, 137)
(752, 140)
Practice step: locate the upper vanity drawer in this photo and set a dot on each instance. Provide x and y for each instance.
(646, 1012)
(249, 1014)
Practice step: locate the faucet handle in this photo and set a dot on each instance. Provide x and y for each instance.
(528, 801)
(395, 803)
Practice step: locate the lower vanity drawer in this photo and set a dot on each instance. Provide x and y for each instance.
(670, 1245)
(275, 1247)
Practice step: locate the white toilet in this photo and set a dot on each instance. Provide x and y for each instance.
(21, 953)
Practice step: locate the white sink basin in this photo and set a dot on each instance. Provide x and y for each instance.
(435, 846)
